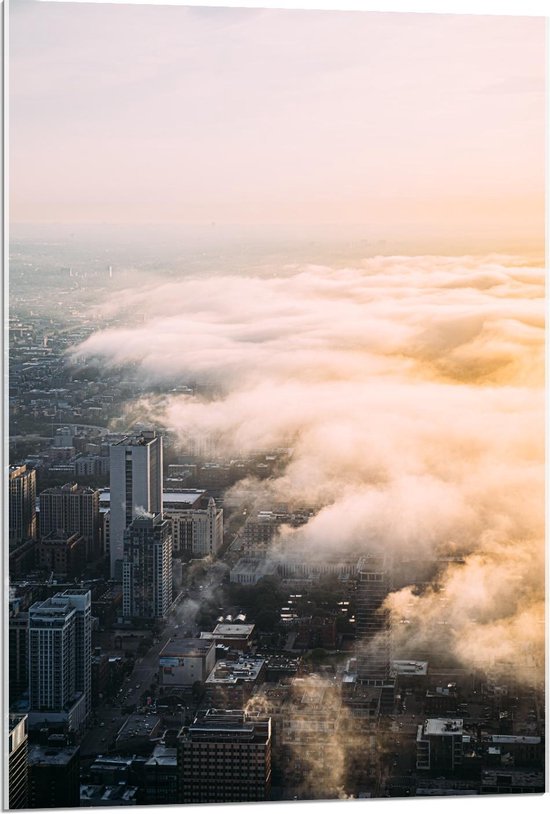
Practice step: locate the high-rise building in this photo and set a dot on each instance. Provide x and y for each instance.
(197, 523)
(60, 658)
(18, 651)
(81, 600)
(373, 627)
(54, 775)
(161, 776)
(75, 509)
(136, 487)
(439, 745)
(51, 656)
(22, 505)
(373, 623)
(18, 761)
(147, 568)
(225, 757)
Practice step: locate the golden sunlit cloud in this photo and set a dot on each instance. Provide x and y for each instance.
(410, 390)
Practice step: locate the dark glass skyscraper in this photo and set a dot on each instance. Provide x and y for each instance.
(147, 568)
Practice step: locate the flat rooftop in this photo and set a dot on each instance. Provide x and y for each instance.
(112, 761)
(163, 756)
(510, 739)
(230, 673)
(444, 726)
(137, 440)
(50, 755)
(107, 795)
(187, 498)
(227, 725)
(233, 631)
(406, 668)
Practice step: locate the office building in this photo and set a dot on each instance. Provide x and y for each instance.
(75, 509)
(135, 487)
(439, 745)
(54, 776)
(373, 623)
(18, 761)
(62, 554)
(91, 466)
(225, 757)
(183, 500)
(18, 652)
(182, 662)
(21, 559)
(81, 600)
(115, 770)
(197, 531)
(250, 570)
(161, 776)
(147, 568)
(197, 524)
(373, 648)
(51, 656)
(295, 567)
(512, 781)
(233, 635)
(106, 528)
(231, 683)
(60, 658)
(22, 505)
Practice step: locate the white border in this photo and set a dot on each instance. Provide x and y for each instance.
(537, 8)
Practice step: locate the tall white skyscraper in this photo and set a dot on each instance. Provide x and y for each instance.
(147, 568)
(136, 487)
(60, 657)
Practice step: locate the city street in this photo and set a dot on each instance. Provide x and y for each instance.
(109, 715)
(181, 620)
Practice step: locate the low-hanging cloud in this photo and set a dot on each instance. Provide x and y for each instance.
(410, 391)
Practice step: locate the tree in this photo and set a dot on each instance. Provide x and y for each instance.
(198, 690)
(267, 620)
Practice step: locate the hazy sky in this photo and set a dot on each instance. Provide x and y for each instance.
(405, 122)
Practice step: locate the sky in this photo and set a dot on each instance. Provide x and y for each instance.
(409, 123)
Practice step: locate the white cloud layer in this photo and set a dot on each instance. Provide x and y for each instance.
(411, 392)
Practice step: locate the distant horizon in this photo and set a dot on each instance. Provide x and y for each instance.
(358, 238)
